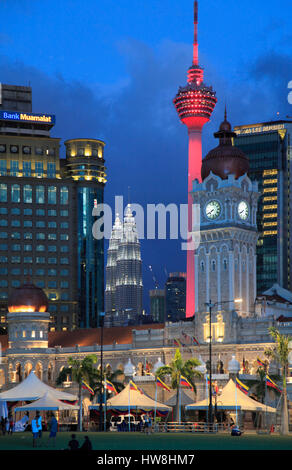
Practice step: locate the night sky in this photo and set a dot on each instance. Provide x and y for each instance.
(109, 69)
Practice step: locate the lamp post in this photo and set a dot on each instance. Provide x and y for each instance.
(101, 323)
(211, 305)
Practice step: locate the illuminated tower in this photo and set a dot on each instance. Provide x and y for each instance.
(194, 103)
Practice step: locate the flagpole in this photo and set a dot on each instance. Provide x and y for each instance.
(236, 417)
(104, 407)
(266, 399)
(155, 403)
(179, 401)
(207, 398)
(129, 406)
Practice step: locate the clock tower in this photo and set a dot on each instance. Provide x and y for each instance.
(225, 261)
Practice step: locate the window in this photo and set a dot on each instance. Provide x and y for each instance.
(40, 248)
(15, 247)
(52, 212)
(64, 195)
(3, 259)
(52, 195)
(27, 212)
(3, 271)
(52, 272)
(64, 236)
(27, 236)
(27, 259)
(40, 224)
(52, 236)
(64, 308)
(52, 224)
(40, 236)
(26, 150)
(14, 149)
(40, 272)
(14, 168)
(225, 264)
(3, 235)
(27, 194)
(64, 249)
(3, 192)
(52, 248)
(39, 169)
(52, 260)
(15, 283)
(52, 296)
(64, 272)
(40, 259)
(27, 223)
(15, 259)
(3, 246)
(15, 193)
(2, 148)
(3, 295)
(40, 284)
(15, 211)
(15, 271)
(3, 210)
(3, 283)
(26, 169)
(40, 194)
(3, 167)
(64, 284)
(15, 223)
(41, 212)
(64, 261)
(52, 284)
(213, 265)
(64, 225)
(64, 213)
(38, 151)
(3, 223)
(51, 170)
(27, 248)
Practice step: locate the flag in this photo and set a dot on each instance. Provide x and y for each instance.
(133, 386)
(109, 386)
(185, 382)
(148, 367)
(272, 384)
(195, 341)
(161, 384)
(260, 363)
(178, 343)
(85, 386)
(241, 386)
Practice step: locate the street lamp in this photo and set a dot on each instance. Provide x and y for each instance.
(211, 305)
(101, 323)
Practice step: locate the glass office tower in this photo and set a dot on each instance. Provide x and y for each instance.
(268, 146)
(175, 297)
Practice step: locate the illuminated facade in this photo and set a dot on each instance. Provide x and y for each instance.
(268, 146)
(43, 210)
(124, 285)
(194, 103)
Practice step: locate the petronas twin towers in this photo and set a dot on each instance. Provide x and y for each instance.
(124, 286)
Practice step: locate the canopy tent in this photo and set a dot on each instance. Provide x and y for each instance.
(129, 398)
(185, 399)
(232, 398)
(32, 389)
(47, 402)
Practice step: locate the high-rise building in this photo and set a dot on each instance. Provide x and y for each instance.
(175, 297)
(45, 209)
(124, 285)
(268, 147)
(194, 103)
(157, 305)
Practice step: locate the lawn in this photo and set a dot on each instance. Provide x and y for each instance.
(160, 441)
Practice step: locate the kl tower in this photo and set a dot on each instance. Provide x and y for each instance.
(194, 103)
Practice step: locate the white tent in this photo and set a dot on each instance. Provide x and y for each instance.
(232, 398)
(47, 402)
(32, 389)
(129, 398)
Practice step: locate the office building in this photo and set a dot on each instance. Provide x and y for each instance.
(45, 207)
(268, 148)
(175, 297)
(157, 305)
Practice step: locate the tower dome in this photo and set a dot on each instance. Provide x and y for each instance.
(27, 298)
(225, 159)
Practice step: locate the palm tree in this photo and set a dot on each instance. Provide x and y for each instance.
(112, 377)
(79, 370)
(279, 353)
(177, 368)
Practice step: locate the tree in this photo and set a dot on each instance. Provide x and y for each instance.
(279, 353)
(177, 368)
(112, 377)
(79, 370)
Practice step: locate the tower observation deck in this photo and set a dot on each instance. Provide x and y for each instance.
(194, 103)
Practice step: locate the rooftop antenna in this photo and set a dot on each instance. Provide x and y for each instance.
(195, 45)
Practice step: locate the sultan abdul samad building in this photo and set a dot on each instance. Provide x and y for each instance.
(225, 269)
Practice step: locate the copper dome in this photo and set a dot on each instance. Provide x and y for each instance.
(225, 159)
(27, 298)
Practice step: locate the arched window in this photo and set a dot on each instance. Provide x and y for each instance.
(52, 195)
(225, 264)
(213, 265)
(64, 195)
(27, 194)
(40, 194)
(15, 193)
(202, 266)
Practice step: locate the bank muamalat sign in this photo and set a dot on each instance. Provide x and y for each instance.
(27, 117)
(257, 129)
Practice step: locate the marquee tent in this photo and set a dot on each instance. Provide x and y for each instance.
(232, 398)
(32, 389)
(129, 398)
(185, 399)
(47, 402)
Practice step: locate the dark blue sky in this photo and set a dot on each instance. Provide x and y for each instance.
(109, 69)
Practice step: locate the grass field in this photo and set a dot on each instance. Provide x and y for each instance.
(160, 441)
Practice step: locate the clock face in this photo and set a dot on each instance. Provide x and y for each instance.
(243, 210)
(213, 210)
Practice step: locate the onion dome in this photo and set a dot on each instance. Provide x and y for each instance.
(202, 367)
(27, 298)
(129, 368)
(226, 159)
(233, 366)
(158, 364)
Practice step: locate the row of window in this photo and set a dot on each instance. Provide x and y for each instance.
(37, 272)
(27, 150)
(37, 236)
(27, 169)
(38, 212)
(39, 194)
(225, 265)
(50, 284)
(26, 247)
(29, 223)
(29, 259)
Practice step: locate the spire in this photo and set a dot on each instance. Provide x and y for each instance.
(195, 45)
(225, 113)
